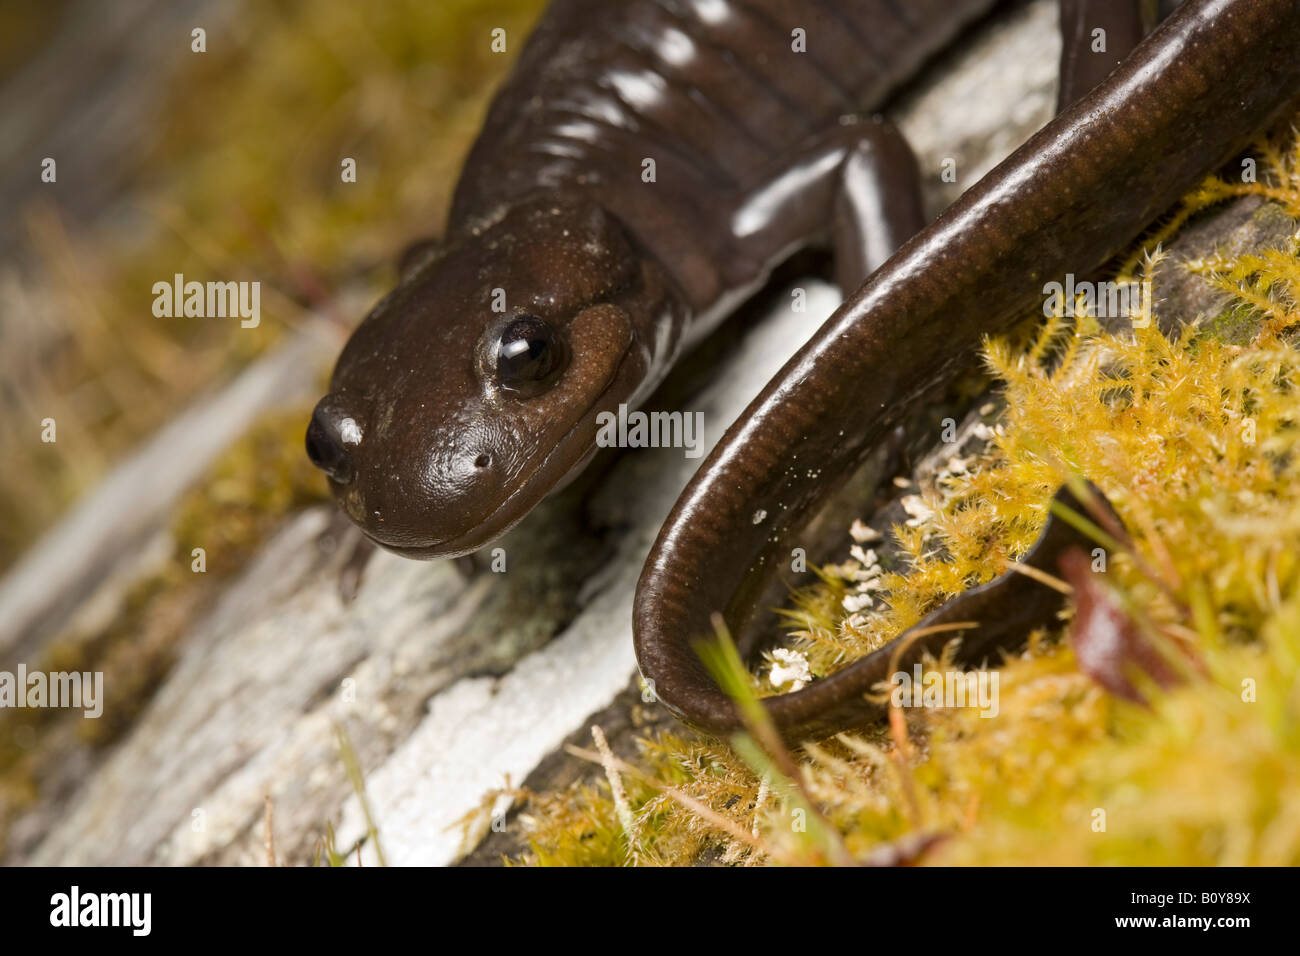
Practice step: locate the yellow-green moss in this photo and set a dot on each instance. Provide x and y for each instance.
(1194, 442)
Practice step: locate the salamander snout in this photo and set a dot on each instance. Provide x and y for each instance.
(328, 438)
(423, 476)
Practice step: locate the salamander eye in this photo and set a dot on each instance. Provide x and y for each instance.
(529, 356)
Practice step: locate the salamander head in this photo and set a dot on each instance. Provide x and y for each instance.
(472, 389)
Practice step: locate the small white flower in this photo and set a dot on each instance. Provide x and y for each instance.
(857, 601)
(790, 667)
(863, 533)
(868, 579)
(866, 558)
(917, 509)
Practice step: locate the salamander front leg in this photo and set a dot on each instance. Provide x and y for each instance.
(877, 206)
(861, 177)
(340, 536)
(353, 569)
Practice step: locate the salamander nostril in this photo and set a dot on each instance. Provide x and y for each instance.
(327, 452)
(483, 460)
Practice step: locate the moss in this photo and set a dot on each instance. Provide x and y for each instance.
(1235, 325)
(1193, 441)
(260, 479)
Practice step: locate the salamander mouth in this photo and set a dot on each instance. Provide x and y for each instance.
(474, 539)
(493, 526)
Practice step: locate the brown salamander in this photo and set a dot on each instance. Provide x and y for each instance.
(567, 284)
(645, 168)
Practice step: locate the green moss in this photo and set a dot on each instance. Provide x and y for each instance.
(260, 479)
(1235, 325)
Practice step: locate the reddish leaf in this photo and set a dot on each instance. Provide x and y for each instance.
(1108, 643)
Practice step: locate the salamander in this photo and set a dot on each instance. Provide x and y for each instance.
(642, 172)
(639, 175)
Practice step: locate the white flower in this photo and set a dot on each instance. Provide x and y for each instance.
(917, 509)
(862, 533)
(790, 667)
(855, 602)
(868, 559)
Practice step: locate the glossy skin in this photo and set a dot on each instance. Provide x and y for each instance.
(1081, 68)
(446, 460)
(1189, 97)
(429, 448)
